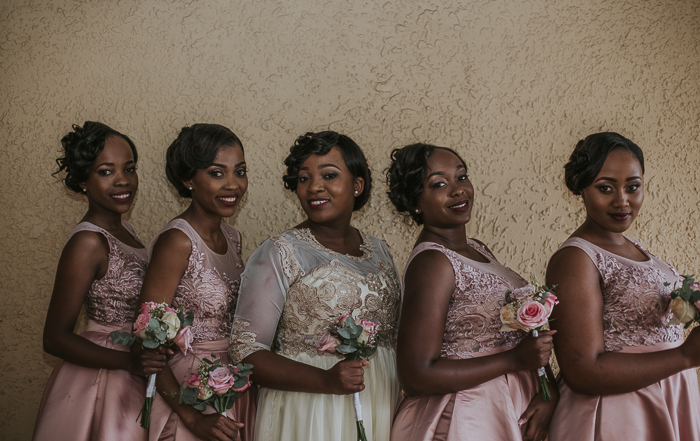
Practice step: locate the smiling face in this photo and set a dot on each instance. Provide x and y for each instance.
(113, 181)
(219, 188)
(615, 197)
(326, 188)
(448, 195)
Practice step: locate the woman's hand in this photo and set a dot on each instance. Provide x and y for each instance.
(147, 361)
(213, 427)
(533, 352)
(691, 348)
(534, 422)
(346, 377)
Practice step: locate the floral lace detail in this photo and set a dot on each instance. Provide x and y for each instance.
(112, 299)
(210, 294)
(305, 234)
(635, 301)
(290, 264)
(316, 300)
(242, 342)
(473, 316)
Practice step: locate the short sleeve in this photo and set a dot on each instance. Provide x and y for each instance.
(264, 286)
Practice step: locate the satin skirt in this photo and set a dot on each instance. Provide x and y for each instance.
(489, 411)
(81, 404)
(300, 416)
(668, 410)
(166, 425)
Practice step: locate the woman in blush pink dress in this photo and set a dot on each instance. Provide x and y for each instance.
(463, 379)
(195, 264)
(625, 372)
(97, 390)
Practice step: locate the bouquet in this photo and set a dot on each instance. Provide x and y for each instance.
(685, 302)
(353, 339)
(528, 309)
(157, 325)
(217, 384)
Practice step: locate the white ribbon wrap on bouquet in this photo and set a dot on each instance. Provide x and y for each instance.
(540, 372)
(357, 405)
(151, 389)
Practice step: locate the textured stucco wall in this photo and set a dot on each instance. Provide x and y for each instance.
(512, 85)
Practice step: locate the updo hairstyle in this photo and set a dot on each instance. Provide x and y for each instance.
(590, 154)
(406, 174)
(80, 149)
(320, 144)
(195, 148)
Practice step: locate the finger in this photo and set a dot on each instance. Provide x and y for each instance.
(365, 363)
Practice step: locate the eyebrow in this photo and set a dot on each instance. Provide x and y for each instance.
(216, 164)
(440, 173)
(112, 164)
(321, 166)
(605, 178)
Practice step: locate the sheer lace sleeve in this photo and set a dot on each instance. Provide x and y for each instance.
(264, 286)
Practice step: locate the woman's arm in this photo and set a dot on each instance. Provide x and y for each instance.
(168, 263)
(429, 286)
(585, 366)
(83, 260)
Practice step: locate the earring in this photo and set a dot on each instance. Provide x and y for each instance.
(417, 211)
(356, 192)
(84, 190)
(189, 188)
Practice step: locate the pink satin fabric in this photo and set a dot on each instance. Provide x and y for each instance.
(668, 410)
(489, 411)
(81, 404)
(167, 426)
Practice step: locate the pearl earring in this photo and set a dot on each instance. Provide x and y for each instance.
(84, 190)
(356, 192)
(189, 188)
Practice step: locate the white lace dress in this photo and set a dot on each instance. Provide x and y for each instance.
(292, 290)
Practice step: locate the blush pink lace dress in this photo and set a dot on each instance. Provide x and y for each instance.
(491, 410)
(81, 403)
(635, 320)
(292, 290)
(209, 289)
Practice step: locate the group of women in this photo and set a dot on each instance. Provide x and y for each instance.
(447, 372)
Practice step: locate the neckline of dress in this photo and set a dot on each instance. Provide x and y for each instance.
(636, 244)
(474, 244)
(128, 230)
(223, 231)
(306, 235)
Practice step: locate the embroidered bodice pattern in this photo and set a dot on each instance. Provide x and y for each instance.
(635, 300)
(316, 299)
(209, 293)
(112, 299)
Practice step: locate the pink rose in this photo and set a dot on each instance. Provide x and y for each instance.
(327, 344)
(221, 379)
(194, 381)
(141, 324)
(169, 309)
(183, 339)
(532, 315)
(695, 286)
(369, 332)
(549, 303)
(342, 319)
(147, 307)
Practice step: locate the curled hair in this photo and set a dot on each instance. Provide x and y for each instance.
(195, 148)
(590, 154)
(320, 144)
(406, 175)
(81, 147)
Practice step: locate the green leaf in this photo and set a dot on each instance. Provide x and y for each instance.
(346, 349)
(344, 332)
(150, 343)
(122, 338)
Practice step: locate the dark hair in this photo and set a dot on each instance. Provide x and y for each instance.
(320, 144)
(80, 149)
(195, 148)
(406, 174)
(590, 154)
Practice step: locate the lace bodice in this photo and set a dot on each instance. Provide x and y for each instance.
(635, 301)
(473, 316)
(209, 287)
(294, 288)
(112, 299)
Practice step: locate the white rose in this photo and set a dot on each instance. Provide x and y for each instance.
(509, 319)
(683, 311)
(170, 319)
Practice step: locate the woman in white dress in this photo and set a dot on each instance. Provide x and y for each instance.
(298, 283)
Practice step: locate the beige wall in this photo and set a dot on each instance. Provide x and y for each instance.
(512, 85)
